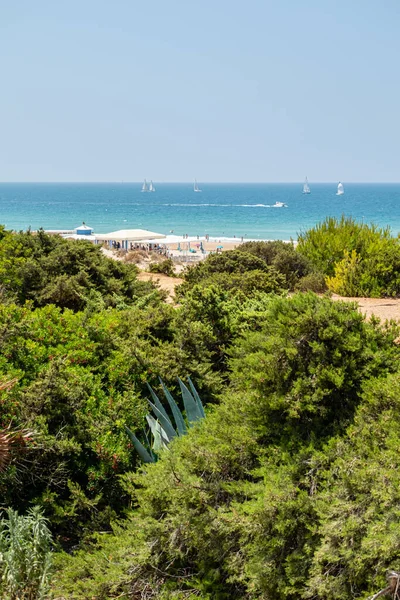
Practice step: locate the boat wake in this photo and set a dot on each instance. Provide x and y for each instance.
(277, 204)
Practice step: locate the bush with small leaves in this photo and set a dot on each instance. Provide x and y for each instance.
(165, 266)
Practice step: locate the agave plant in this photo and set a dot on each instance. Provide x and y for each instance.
(161, 425)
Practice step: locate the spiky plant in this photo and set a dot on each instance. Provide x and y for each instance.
(162, 427)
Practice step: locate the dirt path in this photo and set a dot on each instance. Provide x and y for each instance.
(164, 282)
(384, 308)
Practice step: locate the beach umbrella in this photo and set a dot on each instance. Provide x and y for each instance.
(219, 247)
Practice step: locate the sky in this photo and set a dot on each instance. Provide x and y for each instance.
(218, 90)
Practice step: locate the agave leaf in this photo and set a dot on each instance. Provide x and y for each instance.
(157, 430)
(158, 403)
(197, 397)
(160, 438)
(193, 411)
(146, 456)
(157, 443)
(179, 420)
(165, 422)
(152, 423)
(164, 439)
(147, 439)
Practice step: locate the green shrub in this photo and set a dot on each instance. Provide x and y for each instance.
(358, 503)
(313, 282)
(284, 257)
(47, 269)
(166, 267)
(241, 284)
(358, 259)
(232, 261)
(81, 378)
(346, 280)
(267, 251)
(324, 244)
(237, 507)
(306, 364)
(254, 266)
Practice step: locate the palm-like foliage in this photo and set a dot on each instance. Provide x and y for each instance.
(162, 427)
(10, 438)
(25, 557)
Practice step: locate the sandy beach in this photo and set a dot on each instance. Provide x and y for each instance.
(213, 245)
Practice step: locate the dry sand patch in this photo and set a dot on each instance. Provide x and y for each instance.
(384, 308)
(164, 282)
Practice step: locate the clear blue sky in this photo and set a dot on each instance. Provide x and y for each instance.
(220, 90)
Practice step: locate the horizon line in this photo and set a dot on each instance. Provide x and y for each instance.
(123, 182)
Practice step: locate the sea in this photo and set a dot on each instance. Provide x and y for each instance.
(220, 209)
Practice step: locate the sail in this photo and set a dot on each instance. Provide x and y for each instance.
(340, 189)
(144, 187)
(152, 188)
(196, 187)
(306, 187)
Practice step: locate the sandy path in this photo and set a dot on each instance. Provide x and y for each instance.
(166, 283)
(384, 308)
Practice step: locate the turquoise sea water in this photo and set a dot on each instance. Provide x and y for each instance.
(219, 210)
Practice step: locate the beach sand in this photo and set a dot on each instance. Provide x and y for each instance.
(168, 284)
(209, 246)
(384, 308)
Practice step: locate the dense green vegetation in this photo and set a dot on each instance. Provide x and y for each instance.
(287, 489)
(358, 259)
(47, 269)
(242, 506)
(255, 266)
(165, 266)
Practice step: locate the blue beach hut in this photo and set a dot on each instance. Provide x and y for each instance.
(84, 229)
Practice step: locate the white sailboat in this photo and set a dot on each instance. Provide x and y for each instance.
(151, 187)
(340, 189)
(145, 187)
(306, 187)
(196, 187)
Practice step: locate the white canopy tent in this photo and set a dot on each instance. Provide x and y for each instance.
(126, 236)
